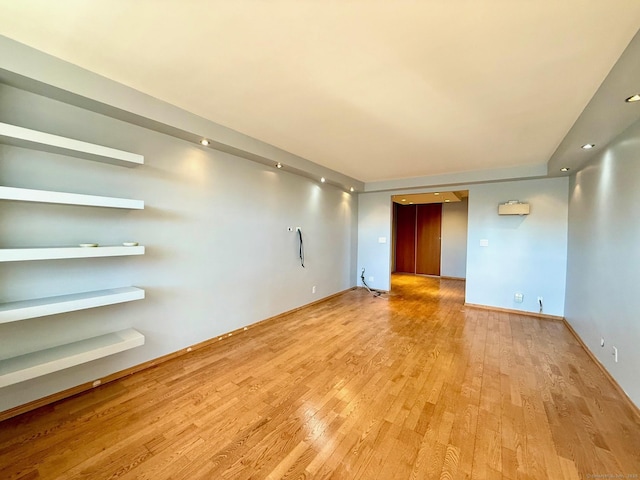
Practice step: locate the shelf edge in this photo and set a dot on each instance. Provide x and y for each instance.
(128, 339)
(25, 137)
(47, 306)
(66, 198)
(59, 253)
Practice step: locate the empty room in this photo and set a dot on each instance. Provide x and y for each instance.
(324, 240)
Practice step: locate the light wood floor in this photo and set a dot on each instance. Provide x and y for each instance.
(412, 386)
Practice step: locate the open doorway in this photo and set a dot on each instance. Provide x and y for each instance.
(429, 234)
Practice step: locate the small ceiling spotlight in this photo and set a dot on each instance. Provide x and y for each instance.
(410, 203)
(447, 200)
(322, 179)
(403, 200)
(633, 98)
(436, 193)
(352, 189)
(278, 165)
(588, 146)
(204, 142)
(565, 169)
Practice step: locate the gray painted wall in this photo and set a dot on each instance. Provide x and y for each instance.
(219, 256)
(453, 259)
(526, 254)
(374, 222)
(603, 272)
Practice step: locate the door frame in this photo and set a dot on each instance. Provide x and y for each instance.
(392, 228)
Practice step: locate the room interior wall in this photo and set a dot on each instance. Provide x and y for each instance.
(454, 239)
(604, 255)
(525, 254)
(374, 239)
(219, 255)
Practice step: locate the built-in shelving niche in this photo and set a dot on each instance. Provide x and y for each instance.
(34, 364)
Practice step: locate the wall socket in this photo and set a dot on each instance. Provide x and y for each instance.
(602, 341)
(313, 289)
(518, 297)
(615, 354)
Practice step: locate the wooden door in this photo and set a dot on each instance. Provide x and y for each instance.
(406, 238)
(428, 234)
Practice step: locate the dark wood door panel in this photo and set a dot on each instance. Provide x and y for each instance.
(428, 233)
(406, 238)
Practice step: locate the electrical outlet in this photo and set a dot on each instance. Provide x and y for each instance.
(615, 354)
(289, 229)
(602, 341)
(313, 289)
(518, 297)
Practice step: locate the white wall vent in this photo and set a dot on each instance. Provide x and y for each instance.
(513, 207)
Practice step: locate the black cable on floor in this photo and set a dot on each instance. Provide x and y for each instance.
(376, 293)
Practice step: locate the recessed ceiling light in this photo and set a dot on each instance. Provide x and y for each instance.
(410, 203)
(588, 146)
(633, 98)
(204, 142)
(447, 200)
(436, 193)
(278, 165)
(352, 189)
(403, 200)
(322, 179)
(565, 169)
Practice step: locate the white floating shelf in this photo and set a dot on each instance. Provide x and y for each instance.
(56, 253)
(32, 365)
(43, 196)
(41, 307)
(25, 137)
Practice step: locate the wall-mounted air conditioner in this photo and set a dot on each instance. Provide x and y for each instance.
(513, 207)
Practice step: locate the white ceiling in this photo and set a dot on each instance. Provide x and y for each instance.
(376, 90)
